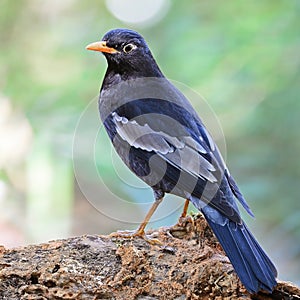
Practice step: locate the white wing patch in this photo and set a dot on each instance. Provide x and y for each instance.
(143, 137)
(182, 152)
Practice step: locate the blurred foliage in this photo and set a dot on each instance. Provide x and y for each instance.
(241, 56)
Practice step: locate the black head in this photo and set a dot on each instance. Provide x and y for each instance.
(127, 53)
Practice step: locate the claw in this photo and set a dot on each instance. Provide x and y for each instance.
(184, 226)
(183, 221)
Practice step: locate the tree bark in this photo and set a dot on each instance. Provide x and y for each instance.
(188, 264)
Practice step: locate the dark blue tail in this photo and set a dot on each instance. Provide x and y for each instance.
(251, 263)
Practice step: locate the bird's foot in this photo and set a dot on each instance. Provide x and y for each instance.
(186, 220)
(130, 234)
(185, 226)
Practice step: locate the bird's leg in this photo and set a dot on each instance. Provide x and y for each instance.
(184, 218)
(140, 232)
(185, 223)
(185, 209)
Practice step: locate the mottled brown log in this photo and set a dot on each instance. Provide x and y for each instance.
(189, 264)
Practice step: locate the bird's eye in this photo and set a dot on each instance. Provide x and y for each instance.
(129, 47)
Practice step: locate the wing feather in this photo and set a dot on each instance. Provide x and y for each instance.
(182, 152)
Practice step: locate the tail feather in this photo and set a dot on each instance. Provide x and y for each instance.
(251, 263)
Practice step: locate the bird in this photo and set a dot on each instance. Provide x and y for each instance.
(161, 138)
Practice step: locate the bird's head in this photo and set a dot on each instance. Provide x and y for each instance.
(126, 52)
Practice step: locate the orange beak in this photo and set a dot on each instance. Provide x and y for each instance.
(101, 46)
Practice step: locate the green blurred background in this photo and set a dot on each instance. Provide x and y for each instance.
(242, 56)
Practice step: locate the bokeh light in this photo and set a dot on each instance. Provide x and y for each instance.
(139, 12)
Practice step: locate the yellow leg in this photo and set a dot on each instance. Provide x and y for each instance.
(184, 218)
(141, 230)
(185, 208)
